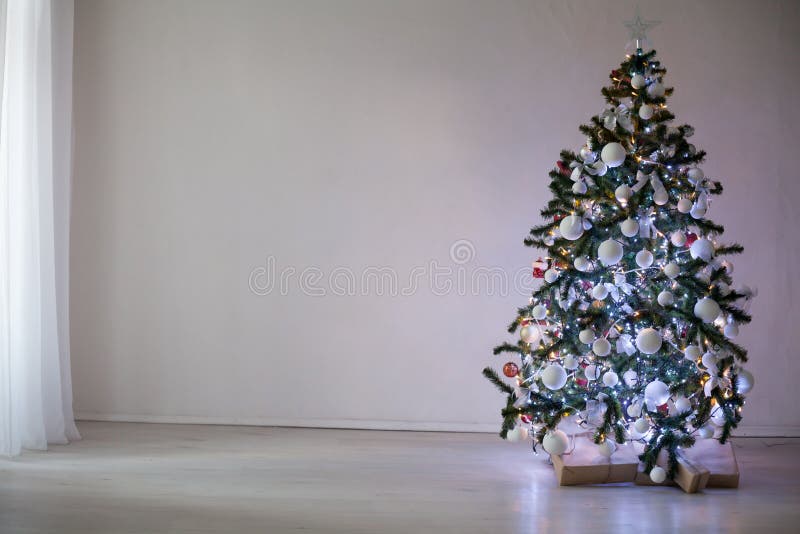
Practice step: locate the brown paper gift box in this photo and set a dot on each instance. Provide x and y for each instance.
(719, 459)
(585, 465)
(691, 476)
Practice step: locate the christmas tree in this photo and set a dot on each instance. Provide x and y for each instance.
(630, 337)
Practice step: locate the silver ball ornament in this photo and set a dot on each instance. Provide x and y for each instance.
(579, 187)
(529, 333)
(638, 81)
(666, 298)
(623, 193)
(656, 393)
(646, 112)
(684, 205)
(550, 276)
(539, 312)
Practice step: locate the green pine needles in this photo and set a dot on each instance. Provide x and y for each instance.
(630, 337)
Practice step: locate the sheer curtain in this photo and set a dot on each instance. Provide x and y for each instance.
(35, 160)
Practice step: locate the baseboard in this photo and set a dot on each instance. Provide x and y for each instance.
(365, 424)
(358, 424)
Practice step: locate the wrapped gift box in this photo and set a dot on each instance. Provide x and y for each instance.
(719, 459)
(691, 476)
(585, 465)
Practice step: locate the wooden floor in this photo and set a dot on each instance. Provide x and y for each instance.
(126, 478)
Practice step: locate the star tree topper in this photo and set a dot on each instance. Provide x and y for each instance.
(638, 27)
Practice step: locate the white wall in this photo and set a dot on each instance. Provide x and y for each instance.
(211, 135)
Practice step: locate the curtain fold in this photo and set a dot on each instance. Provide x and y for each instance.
(35, 173)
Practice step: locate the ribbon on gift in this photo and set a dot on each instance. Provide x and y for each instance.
(613, 116)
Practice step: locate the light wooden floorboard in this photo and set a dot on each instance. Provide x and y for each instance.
(134, 478)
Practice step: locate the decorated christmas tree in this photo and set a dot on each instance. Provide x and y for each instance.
(630, 337)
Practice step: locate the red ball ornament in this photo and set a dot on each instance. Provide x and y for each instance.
(563, 168)
(510, 369)
(539, 267)
(582, 382)
(525, 418)
(690, 238)
(664, 408)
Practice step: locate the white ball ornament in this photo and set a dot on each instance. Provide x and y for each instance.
(570, 362)
(629, 227)
(579, 187)
(678, 238)
(600, 292)
(529, 333)
(706, 309)
(656, 89)
(638, 81)
(695, 174)
(692, 353)
(658, 475)
(610, 379)
(648, 341)
(656, 393)
(682, 404)
(684, 205)
(731, 330)
(554, 377)
(518, 433)
(571, 227)
(601, 347)
(666, 298)
(592, 372)
(630, 378)
(744, 382)
(555, 442)
(672, 270)
(586, 336)
(539, 312)
(661, 197)
(609, 252)
(703, 249)
(607, 448)
(587, 155)
(644, 258)
(641, 425)
(646, 112)
(550, 276)
(623, 193)
(582, 264)
(698, 211)
(635, 409)
(613, 154)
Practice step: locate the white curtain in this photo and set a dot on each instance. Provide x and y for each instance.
(35, 169)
